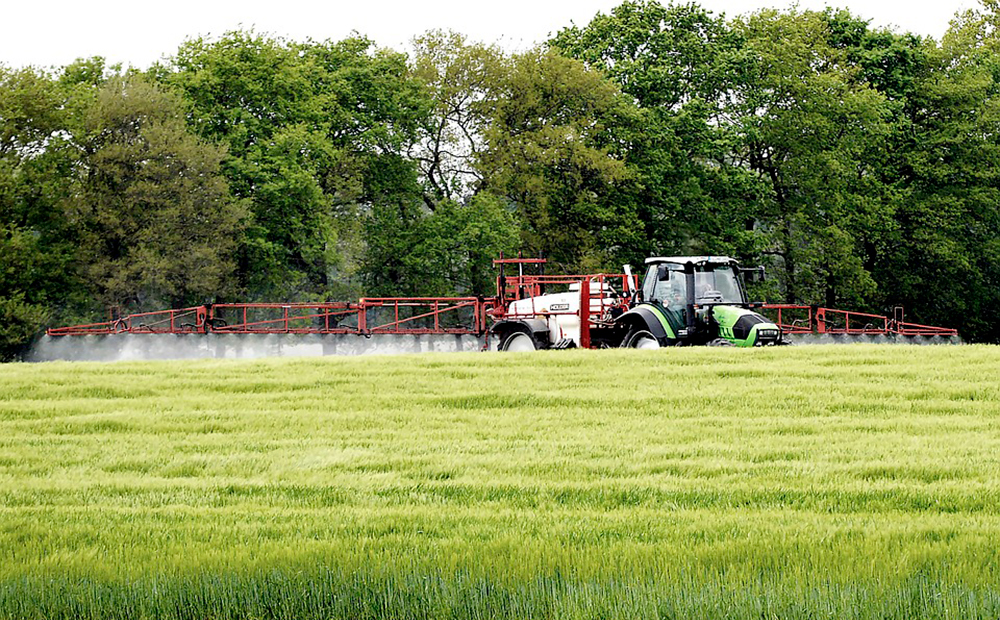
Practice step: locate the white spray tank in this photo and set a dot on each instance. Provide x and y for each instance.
(561, 311)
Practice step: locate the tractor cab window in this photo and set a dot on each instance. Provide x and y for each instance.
(717, 284)
(665, 283)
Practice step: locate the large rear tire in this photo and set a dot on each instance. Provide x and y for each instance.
(518, 342)
(642, 339)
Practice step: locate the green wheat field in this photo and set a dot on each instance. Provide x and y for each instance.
(794, 482)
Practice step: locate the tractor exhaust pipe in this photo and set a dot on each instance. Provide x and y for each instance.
(690, 319)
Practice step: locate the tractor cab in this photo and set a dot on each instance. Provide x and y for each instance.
(715, 280)
(702, 300)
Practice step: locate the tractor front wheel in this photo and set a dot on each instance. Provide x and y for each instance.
(719, 342)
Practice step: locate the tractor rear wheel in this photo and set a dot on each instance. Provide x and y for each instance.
(518, 342)
(642, 340)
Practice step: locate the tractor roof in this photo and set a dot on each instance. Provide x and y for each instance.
(697, 260)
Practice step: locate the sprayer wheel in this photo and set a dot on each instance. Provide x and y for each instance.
(518, 342)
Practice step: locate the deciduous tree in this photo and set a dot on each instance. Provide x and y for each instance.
(37, 244)
(159, 226)
(306, 126)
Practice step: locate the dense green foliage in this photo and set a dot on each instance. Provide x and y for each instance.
(859, 165)
(156, 222)
(805, 482)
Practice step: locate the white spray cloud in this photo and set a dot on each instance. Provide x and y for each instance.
(137, 347)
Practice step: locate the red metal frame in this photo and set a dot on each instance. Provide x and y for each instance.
(819, 320)
(514, 288)
(385, 315)
(177, 321)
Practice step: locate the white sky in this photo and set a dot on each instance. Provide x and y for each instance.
(55, 32)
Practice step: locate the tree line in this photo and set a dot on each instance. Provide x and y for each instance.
(859, 165)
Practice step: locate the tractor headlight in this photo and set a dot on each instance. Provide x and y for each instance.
(767, 333)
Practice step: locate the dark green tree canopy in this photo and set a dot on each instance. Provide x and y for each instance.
(307, 126)
(158, 224)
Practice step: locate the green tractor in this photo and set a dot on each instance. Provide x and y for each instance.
(684, 300)
(694, 300)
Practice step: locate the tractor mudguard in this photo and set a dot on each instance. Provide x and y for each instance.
(646, 315)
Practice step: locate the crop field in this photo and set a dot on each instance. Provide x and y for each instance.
(800, 482)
